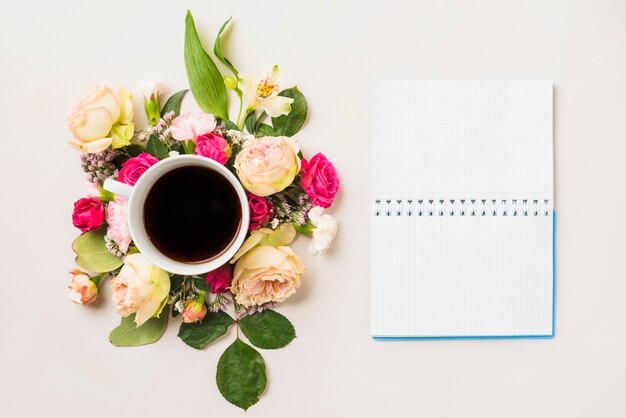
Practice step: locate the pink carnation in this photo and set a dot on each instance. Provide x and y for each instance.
(88, 214)
(118, 223)
(189, 126)
(213, 146)
(133, 168)
(261, 211)
(220, 279)
(319, 180)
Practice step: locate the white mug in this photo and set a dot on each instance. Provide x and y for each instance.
(137, 195)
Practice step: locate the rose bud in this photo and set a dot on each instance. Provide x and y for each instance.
(195, 309)
(219, 279)
(88, 214)
(261, 211)
(83, 290)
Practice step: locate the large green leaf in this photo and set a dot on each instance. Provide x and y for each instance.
(267, 329)
(92, 254)
(205, 80)
(290, 124)
(241, 375)
(217, 50)
(156, 148)
(127, 334)
(174, 103)
(200, 334)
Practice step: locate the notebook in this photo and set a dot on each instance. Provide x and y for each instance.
(462, 218)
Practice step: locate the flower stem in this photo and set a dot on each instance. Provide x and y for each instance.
(240, 106)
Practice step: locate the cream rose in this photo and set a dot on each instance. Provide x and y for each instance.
(268, 164)
(140, 288)
(92, 118)
(266, 274)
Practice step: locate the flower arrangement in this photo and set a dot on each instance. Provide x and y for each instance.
(287, 194)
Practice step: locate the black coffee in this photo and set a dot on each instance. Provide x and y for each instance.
(192, 214)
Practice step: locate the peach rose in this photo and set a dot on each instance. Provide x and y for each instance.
(140, 288)
(195, 310)
(82, 290)
(92, 118)
(266, 274)
(268, 164)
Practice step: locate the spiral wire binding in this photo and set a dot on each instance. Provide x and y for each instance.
(462, 207)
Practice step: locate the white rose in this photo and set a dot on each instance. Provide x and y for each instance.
(92, 118)
(324, 232)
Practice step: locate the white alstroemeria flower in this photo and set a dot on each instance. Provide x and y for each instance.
(149, 89)
(324, 232)
(263, 94)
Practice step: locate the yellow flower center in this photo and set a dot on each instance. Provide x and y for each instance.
(265, 90)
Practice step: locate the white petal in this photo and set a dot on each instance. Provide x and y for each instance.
(93, 146)
(277, 105)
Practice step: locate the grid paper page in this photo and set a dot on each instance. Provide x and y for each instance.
(476, 269)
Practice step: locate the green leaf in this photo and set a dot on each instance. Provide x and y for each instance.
(250, 120)
(228, 124)
(267, 329)
(174, 102)
(241, 375)
(156, 148)
(266, 130)
(288, 125)
(134, 150)
(189, 147)
(205, 80)
(92, 254)
(176, 283)
(217, 50)
(201, 284)
(200, 334)
(127, 334)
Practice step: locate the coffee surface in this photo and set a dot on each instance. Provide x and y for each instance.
(192, 214)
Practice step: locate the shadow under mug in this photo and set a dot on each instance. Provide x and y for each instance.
(136, 198)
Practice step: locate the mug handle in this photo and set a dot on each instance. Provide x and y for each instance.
(116, 187)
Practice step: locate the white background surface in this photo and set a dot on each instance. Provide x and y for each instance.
(55, 359)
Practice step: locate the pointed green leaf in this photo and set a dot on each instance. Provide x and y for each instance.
(217, 50)
(200, 334)
(290, 124)
(229, 124)
(265, 130)
(156, 148)
(174, 103)
(92, 254)
(241, 375)
(205, 80)
(127, 334)
(267, 329)
(250, 120)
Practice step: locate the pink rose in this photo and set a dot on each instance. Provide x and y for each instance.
(213, 146)
(195, 311)
(133, 168)
(118, 223)
(82, 289)
(190, 125)
(88, 214)
(219, 279)
(261, 211)
(319, 180)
